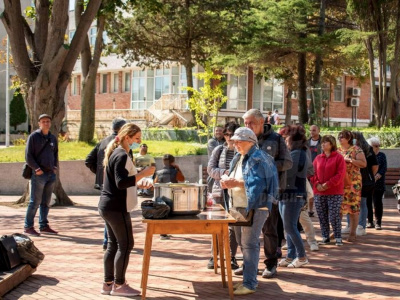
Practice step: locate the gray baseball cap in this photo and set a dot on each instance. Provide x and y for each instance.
(42, 116)
(244, 134)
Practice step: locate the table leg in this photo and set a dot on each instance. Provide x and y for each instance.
(222, 256)
(146, 258)
(225, 234)
(215, 252)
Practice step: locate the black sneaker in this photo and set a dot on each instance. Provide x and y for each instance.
(104, 247)
(210, 264)
(311, 214)
(234, 264)
(370, 225)
(324, 241)
(378, 226)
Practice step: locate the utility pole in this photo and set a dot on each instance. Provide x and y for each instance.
(8, 96)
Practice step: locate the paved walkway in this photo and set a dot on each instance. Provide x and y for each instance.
(73, 268)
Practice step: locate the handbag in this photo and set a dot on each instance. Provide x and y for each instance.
(242, 217)
(28, 252)
(9, 256)
(26, 169)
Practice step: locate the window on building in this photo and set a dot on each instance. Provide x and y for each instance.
(138, 90)
(74, 86)
(71, 5)
(236, 92)
(71, 35)
(103, 83)
(115, 82)
(338, 90)
(127, 82)
(92, 36)
(268, 94)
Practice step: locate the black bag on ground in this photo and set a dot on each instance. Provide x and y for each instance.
(27, 250)
(26, 171)
(154, 210)
(9, 256)
(242, 217)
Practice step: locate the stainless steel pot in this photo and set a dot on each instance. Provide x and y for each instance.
(183, 198)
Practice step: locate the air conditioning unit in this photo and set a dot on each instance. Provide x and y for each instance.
(354, 102)
(354, 92)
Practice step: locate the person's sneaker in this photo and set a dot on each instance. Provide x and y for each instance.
(269, 272)
(124, 290)
(165, 236)
(284, 262)
(238, 271)
(339, 242)
(297, 263)
(346, 230)
(378, 227)
(314, 247)
(370, 225)
(107, 288)
(31, 231)
(237, 285)
(311, 214)
(242, 290)
(360, 231)
(234, 264)
(48, 230)
(104, 247)
(210, 264)
(324, 241)
(140, 193)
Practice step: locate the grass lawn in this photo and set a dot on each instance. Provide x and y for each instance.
(79, 150)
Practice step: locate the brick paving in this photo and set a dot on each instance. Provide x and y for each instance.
(72, 268)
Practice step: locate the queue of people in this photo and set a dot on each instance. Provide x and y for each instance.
(265, 178)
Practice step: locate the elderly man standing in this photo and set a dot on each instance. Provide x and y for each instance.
(253, 188)
(273, 144)
(215, 141)
(41, 154)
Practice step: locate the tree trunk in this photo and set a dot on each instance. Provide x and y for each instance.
(374, 98)
(189, 79)
(302, 81)
(288, 115)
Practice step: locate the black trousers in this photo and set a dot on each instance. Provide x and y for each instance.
(120, 244)
(270, 232)
(378, 205)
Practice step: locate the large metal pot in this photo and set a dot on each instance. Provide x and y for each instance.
(183, 198)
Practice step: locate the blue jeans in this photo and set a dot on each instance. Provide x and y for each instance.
(41, 189)
(290, 209)
(362, 220)
(249, 241)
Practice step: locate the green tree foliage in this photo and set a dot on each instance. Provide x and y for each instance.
(17, 110)
(158, 32)
(206, 102)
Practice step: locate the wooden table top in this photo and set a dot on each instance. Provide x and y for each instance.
(214, 214)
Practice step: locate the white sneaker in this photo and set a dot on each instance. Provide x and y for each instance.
(296, 263)
(314, 247)
(360, 231)
(346, 230)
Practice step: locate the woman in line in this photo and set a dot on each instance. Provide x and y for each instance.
(368, 184)
(294, 197)
(218, 165)
(379, 184)
(355, 159)
(117, 199)
(328, 185)
(253, 185)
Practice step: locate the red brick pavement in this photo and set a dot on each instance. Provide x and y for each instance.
(73, 268)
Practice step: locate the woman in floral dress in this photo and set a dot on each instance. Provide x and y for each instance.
(355, 159)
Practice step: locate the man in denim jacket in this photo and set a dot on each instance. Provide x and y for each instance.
(253, 185)
(273, 144)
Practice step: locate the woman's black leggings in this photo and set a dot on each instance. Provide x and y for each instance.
(378, 205)
(120, 244)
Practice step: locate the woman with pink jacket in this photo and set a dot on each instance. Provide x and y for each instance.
(328, 186)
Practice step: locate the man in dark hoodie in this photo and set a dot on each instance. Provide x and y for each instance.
(94, 161)
(273, 144)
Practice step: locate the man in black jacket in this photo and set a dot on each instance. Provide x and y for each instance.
(273, 144)
(41, 154)
(94, 161)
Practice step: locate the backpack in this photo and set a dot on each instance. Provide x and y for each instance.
(272, 119)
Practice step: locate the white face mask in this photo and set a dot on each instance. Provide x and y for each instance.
(354, 141)
(134, 146)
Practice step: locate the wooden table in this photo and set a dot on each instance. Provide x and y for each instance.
(213, 221)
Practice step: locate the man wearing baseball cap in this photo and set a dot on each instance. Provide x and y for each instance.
(41, 154)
